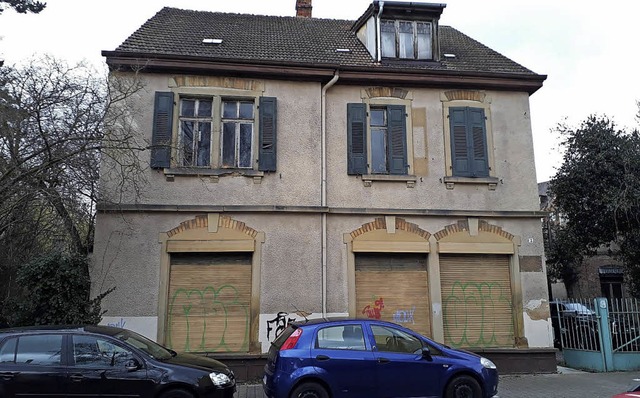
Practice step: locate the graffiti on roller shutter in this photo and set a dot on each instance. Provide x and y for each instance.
(471, 302)
(374, 311)
(208, 319)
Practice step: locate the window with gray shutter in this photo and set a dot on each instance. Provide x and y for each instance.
(162, 130)
(469, 156)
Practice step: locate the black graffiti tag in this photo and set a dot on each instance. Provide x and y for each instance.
(279, 323)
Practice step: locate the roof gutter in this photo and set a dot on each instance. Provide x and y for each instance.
(378, 32)
(349, 74)
(323, 195)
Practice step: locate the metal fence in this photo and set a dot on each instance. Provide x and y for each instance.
(624, 315)
(598, 334)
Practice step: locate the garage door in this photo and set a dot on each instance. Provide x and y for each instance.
(476, 300)
(209, 302)
(393, 287)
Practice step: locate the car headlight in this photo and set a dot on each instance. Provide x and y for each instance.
(487, 363)
(219, 379)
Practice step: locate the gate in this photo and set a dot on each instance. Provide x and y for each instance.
(598, 334)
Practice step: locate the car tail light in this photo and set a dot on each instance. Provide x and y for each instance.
(292, 340)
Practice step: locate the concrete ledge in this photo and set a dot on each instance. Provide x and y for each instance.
(521, 360)
(246, 367)
(249, 367)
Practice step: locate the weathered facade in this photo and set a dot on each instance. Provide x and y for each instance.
(303, 167)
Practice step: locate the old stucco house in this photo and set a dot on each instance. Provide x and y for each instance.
(381, 167)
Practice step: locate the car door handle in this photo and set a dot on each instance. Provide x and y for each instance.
(8, 375)
(322, 358)
(76, 377)
(383, 360)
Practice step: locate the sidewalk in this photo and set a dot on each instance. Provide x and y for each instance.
(568, 383)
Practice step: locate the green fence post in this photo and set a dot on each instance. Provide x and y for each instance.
(606, 342)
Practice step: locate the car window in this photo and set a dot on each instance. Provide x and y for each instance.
(343, 337)
(394, 340)
(96, 352)
(282, 337)
(44, 349)
(579, 308)
(8, 350)
(142, 343)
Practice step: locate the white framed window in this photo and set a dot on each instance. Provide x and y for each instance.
(220, 131)
(406, 39)
(194, 132)
(378, 138)
(237, 133)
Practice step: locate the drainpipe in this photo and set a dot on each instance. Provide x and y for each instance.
(379, 31)
(323, 188)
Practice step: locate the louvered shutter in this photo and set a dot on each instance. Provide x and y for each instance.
(356, 139)
(477, 303)
(162, 130)
(268, 127)
(397, 147)
(459, 145)
(393, 287)
(476, 125)
(209, 302)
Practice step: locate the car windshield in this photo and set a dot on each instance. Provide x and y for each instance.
(579, 308)
(142, 343)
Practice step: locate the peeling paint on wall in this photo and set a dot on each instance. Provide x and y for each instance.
(537, 310)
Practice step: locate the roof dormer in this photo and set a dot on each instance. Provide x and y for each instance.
(400, 30)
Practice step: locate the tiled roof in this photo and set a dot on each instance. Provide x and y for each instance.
(257, 39)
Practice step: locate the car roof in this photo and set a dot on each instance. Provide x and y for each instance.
(330, 320)
(100, 329)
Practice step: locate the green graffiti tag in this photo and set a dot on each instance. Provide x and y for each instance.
(466, 311)
(207, 314)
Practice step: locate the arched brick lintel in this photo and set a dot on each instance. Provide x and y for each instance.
(401, 224)
(202, 221)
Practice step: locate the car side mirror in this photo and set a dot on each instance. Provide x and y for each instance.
(132, 365)
(426, 353)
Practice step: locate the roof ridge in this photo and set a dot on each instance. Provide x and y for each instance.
(257, 15)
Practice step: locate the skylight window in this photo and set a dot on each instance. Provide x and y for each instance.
(212, 41)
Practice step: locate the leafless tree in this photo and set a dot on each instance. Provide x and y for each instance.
(57, 123)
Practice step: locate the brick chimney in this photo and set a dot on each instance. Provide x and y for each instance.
(303, 8)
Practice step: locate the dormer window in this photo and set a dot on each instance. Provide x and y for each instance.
(406, 39)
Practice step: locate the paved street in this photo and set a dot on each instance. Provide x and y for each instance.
(566, 384)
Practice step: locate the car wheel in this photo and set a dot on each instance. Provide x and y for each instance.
(463, 387)
(176, 394)
(309, 390)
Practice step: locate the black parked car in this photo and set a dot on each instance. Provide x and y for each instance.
(92, 361)
(574, 324)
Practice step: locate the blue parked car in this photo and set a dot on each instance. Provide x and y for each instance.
(368, 358)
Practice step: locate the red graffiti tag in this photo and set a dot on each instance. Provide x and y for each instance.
(375, 311)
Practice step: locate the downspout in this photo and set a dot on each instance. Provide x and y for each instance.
(323, 188)
(379, 31)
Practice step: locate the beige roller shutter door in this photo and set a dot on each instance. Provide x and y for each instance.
(209, 302)
(476, 300)
(393, 287)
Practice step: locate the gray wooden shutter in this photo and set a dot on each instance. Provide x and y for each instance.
(459, 142)
(268, 112)
(397, 147)
(477, 128)
(356, 139)
(162, 130)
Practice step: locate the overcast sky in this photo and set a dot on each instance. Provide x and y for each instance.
(588, 49)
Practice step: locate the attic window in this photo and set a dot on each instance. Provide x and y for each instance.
(406, 39)
(343, 50)
(449, 55)
(211, 41)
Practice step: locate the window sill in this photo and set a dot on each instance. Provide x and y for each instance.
(213, 174)
(491, 182)
(410, 180)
